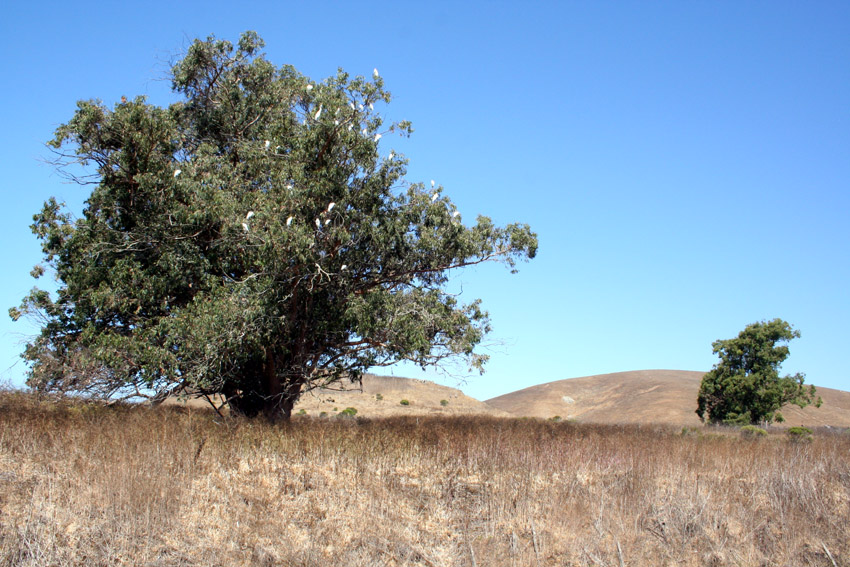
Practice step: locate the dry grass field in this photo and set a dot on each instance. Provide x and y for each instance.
(82, 484)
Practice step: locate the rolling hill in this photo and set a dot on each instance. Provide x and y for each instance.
(382, 395)
(647, 396)
(641, 397)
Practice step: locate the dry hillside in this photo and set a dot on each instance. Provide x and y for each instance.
(381, 396)
(647, 396)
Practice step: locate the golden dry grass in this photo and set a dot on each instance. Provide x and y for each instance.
(87, 485)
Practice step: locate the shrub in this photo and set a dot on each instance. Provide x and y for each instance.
(302, 411)
(444, 403)
(555, 418)
(323, 414)
(752, 432)
(800, 433)
(348, 412)
(404, 403)
(379, 397)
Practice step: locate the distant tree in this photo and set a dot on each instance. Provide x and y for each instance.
(251, 241)
(745, 386)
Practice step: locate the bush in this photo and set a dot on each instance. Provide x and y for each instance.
(302, 411)
(444, 403)
(323, 414)
(800, 434)
(404, 403)
(379, 397)
(348, 412)
(752, 432)
(555, 418)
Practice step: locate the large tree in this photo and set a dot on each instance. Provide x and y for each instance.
(745, 386)
(251, 241)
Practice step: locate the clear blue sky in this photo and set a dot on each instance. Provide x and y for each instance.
(685, 164)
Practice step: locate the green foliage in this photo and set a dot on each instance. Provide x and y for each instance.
(379, 397)
(252, 240)
(444, 403)
(348, 412)
(405, 402)
(745, 386)
(323, 414)
(800, 434)
(302, 411)
(689, 432)
(555, 418)
(752, 432)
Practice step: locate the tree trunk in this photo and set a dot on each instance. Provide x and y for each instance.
(267, 394)
(271, 381)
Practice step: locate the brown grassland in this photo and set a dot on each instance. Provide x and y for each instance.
(82, 484)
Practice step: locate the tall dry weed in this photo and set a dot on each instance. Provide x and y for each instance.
(86, 484)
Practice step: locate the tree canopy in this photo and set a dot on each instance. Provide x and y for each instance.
(745, 386)
(250, 240)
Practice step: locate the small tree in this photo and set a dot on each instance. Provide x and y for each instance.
(745, 386)
(250, 241)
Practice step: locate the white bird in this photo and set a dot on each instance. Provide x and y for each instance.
(331, 206)
(327, 221)
(377, 137)
(375, 73)
(245, 226)
(318, 223)
(434, 197)
(391, 156)
(360, 106)
(455, 214)
(343, 267)
(309, 87)
(432, 183)
(268, 143)
(351, 104)
(289, 221)
(371, 106)
(318, 113)
(176, 172)
(350, 127)
(289, 186)
(249, 215)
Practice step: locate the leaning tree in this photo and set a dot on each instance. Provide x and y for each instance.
(249, 241)
(745, 386)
